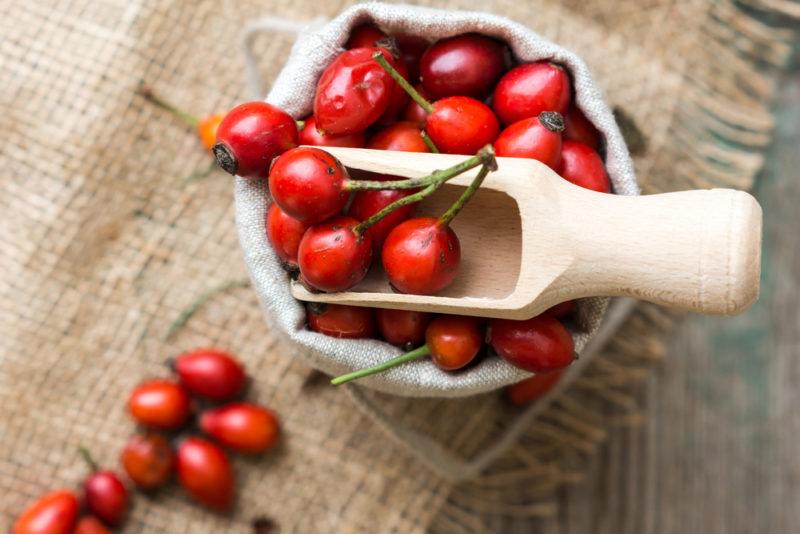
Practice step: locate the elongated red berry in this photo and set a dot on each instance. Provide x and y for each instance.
(538, 345)
(205, 472)
(106, 496)
(339, 320)
(55, 513)
(242, 427)
(211, 373)
(528, 90)
(464, 65)
(160, 404)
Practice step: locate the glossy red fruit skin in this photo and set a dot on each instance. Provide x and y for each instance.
(404, 328)
(148, 460)
(353, 92)
(90, 525)
(529, 138)
(160, 404)
(529, 89)
(584, 167)
(368, 203)
(242, 427)
(413, 112)
(538, 345)
(421, 256)
(308, 184)
(284, 234)
(254, 134)
(528, 390)
(332, 257)
(398, 99)
(464, 65)
(411, 50)
(55, 513)
(211, 373)
(364, 36)
(338, 320)
(401, 136)
(562, 309)
(453, 340)
(309, 135)
(205, 472)
(578, 128)
(106, 497)
(461, 125)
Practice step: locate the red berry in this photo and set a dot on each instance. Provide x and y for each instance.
(527, 90)
(582, 166)
(89, 524)
(461, 125)
(309, 184)
(398, 99)
(332, 257)
(160, 404)
(148, 460)
(401, 136)
(414, 113)
(537, 138)
(284, 234)
(106, 496)
(364, 36)
(242, 427)
(538, 345)
(453, 340)
(338, 320)
(578, 128)
(421, 256)
(404, 328)
(205, 473)
(530, 389)
(466, 65)
(55, 513)
(411, 50)
(368, 203)
(309, 135)
(561, 310)
(353, 92)
(250, 136)
(211, 373)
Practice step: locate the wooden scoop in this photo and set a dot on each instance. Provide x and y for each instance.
(530, 239)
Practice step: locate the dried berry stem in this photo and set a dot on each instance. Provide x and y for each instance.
(87, 457)
(394, 362)
(402, 82)
(147, 92)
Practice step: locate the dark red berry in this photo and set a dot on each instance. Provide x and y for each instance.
(205, 473)
(578, 128)
(461, 125)
(411, 50)
(338, 320)
(401, 136)
(160, 404)
(242, 427)
(148, 460)
(464, 65)
(364, 36)
(528, 390)
(537, 138)
(284, 234)
(538, 345)
(528, 90)
(332, 257)
(453, 340)
(582, 166)
(106, 496)
(211, 373)
(89, 524)
(414, 112)
(250, 136)
(368, 203)
(309, 184)
(404, 328)
(309, 135)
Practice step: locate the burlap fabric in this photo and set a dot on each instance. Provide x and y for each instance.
(104, 243)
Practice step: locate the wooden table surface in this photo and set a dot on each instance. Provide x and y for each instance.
(719, 448)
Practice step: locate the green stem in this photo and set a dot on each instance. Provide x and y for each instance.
(402, 82)
(428, 141)
(147, 92)
(87, 457)
(405, 201)
(453, 210)
(394, 362)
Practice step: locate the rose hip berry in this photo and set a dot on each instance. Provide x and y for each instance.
(353, 92)
(582, 166)
(55, 513)
(106, 497)
(211, 373)
(364, 36)
(368, 203)
(242, 427)
(401, 136)
(205, 472)
(578, 128)
(465, 65)
(309, 135)
(250, 136)
(537, 138)
(414, 112)
(411, 50)
(338, 320)
(284, 234)
(528, 90)
(528, 390)
(538, 345)
(89, 524)
(404, 328)
(160, 404)
(461, 125)
(309, 184)
(148, 460)
(332, 256)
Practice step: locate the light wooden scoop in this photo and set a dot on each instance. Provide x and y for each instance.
(530, 239)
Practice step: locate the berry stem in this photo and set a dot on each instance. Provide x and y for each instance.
(402, 82)
(147, 92)
(453, 210)
(428, 141)
(394, 362)
(87, 457)
(410, 199)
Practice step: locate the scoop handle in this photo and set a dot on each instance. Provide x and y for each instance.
(694, 250)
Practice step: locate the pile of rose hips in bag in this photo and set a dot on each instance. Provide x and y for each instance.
(459, 95)
(163, 408)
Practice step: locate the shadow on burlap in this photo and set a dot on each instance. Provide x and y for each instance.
(104, 242)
